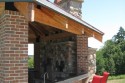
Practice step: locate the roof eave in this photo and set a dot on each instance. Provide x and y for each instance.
(17, 0)
(63, 12)
(48, 4)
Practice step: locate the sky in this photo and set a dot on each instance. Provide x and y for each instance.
(105, 15)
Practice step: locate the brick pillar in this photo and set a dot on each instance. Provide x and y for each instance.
(37, 59)
(13, 48)
(82, 54)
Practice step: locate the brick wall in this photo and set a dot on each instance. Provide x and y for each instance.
(13, 48)
(82, 54)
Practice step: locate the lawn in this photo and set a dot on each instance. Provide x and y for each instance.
(116, 79)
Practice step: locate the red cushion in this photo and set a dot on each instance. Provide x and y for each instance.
(97, 79)
(105, 77)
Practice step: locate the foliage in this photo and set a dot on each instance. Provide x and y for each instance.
(100, 63)
(30, 62)
(111, 57)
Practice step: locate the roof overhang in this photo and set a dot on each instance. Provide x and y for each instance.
(60, 18)
(17, 0)
(64, 13)
(93, 31)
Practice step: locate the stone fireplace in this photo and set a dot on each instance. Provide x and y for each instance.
(58, 58)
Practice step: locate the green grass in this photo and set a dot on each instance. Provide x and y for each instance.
(116, 79)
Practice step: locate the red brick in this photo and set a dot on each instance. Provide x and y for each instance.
(82, 53)
(13, 43)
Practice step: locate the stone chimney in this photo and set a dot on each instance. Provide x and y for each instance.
(71, 6)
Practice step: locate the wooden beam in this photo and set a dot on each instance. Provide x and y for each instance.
(57, 36)
(54, 19)
(26, 9)
(31, 40)
(2, 7)
(36, 30)
(51, 18)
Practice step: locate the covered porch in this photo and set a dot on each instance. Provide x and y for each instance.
(60, 43)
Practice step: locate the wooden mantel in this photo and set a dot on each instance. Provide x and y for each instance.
(44, 15)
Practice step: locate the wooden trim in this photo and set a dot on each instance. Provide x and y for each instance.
(2, 7)
(26, 9)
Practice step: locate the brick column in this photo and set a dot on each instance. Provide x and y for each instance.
(82, 54)
(13, 48)
(37, 59)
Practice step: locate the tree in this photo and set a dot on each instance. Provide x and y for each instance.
(120, 36)
(100, 63)
(30, 62)
(111, 57)
(110, 65)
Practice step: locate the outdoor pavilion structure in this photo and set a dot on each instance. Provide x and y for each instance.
(34, 21)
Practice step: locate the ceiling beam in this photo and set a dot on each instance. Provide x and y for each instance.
(36, 30)
(57, 36)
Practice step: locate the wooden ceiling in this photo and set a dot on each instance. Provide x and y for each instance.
(46, 32)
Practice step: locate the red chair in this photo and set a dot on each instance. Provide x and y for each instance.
(97, 79)
(100, 79)
(105, 77)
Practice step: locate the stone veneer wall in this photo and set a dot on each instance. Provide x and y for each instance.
(13, 48)
(71, 6)
(92, 60)
(60, 50)
(73, 52)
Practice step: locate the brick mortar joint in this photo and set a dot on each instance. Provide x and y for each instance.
(11, 12)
